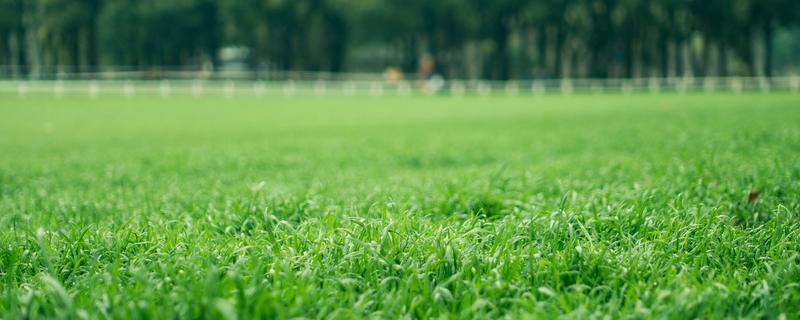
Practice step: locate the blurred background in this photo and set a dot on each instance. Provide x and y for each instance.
(454, 39)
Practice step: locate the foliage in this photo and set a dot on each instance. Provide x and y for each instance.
(497, 39)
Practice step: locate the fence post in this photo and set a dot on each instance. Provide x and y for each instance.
(259, 88)
(484, 89)
(736, 85)
(289, 89)
(683, 84)
(403, 88)
(626, 87)
(538, 88)
(708, 85)
(457, 89)
(197, 88)
(596, 88)
(349, 88)
(376, 88)
(22, 89)
(164, 88)
(763, 83)
(794, 83)
(58, 89)
(512, 88)
(320, 88)
(92, 89)
(128, 89)
(654, 85)
(230, 89)
(566, 87)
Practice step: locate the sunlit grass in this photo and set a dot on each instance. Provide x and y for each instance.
(419, 207)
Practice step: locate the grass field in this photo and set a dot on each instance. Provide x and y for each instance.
(419, 207)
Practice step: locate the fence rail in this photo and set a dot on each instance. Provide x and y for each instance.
(379, 87)
(182, 73)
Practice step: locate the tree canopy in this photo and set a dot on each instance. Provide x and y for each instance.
(494, 39)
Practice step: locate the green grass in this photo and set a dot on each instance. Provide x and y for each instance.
(416, 207)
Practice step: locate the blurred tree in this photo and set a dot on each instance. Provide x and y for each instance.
(160, 33)
(499, 39)
(12, 50)
(68, 32)
(290, 35)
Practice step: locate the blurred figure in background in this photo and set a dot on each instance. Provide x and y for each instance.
(393, 75)
(428, 81)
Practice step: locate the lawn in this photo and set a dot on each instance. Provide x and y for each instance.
(675, 206)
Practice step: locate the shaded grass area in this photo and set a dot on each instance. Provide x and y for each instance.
(418, 207)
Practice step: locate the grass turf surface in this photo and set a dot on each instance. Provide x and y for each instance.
(417, 207)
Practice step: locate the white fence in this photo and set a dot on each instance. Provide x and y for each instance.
(234, 88)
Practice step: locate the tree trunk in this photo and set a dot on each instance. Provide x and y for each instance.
(628, 59)
(723, 60)
(91, 40)
(768, 49)
(686, 57)
(6, 49)
(664, 57)
(558, 51)
(499, 61)
(411, 55)
(673, 65)
(705, 59)
(541, 64)
(752, 54)
(32, 50)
